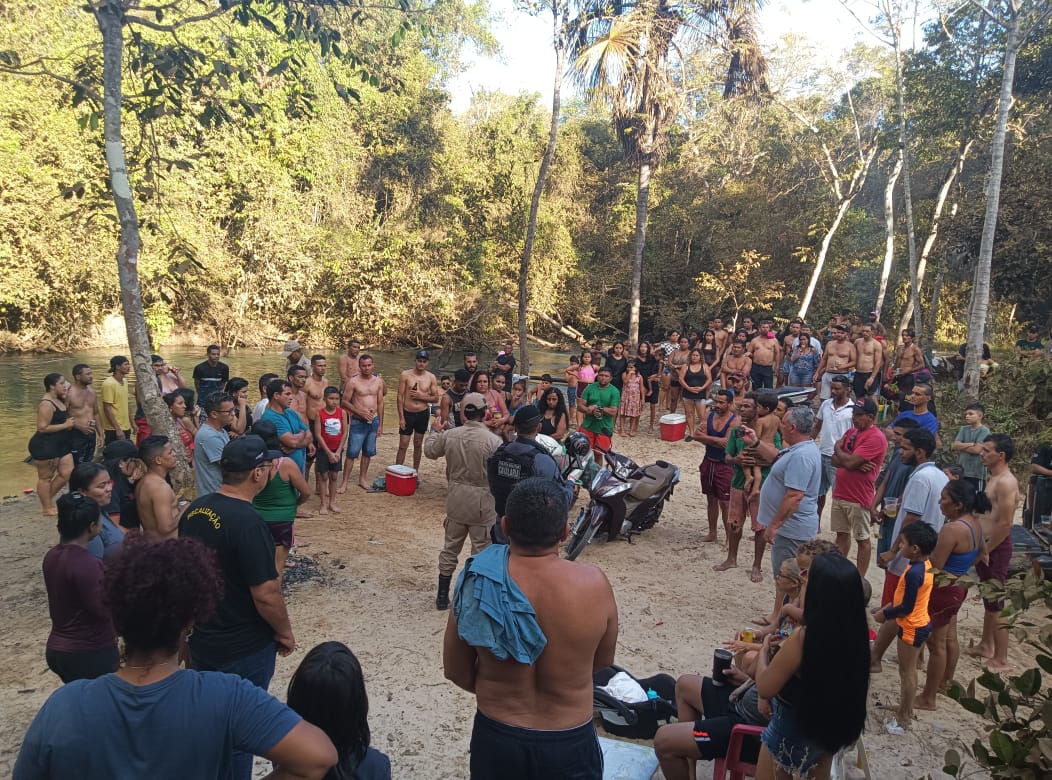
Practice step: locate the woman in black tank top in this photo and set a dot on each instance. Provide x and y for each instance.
(51, 446)
(695, 380)
(554, 416)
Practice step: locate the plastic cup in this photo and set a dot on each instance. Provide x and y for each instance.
(721, 661)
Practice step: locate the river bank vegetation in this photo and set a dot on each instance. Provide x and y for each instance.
(335, 203)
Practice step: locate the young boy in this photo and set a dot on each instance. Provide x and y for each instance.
(909, 608)
(330, 433)
(571, 385)
(969, 444)
(767, 423)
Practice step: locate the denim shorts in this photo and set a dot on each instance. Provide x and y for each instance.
(791, 751)
(362, 437)
(571, 397)
(828, 475)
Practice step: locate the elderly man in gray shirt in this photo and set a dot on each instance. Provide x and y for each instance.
(789, 496)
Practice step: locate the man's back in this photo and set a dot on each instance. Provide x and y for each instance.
(576, 611)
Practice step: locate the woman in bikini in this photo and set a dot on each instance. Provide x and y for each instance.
(959, 544)
(695, 380)
(177, 408)
(677, 359)
(51, 447)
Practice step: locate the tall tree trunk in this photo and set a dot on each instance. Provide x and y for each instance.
(981, 291)
(535, 202)
(109, 16)
(889, 233)
(858, 180)
(642, 206)
(933, 313)
(916, 268)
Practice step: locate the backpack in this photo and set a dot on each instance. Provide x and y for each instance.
(511, 463)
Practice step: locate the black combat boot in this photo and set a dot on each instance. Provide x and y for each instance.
(442, 599)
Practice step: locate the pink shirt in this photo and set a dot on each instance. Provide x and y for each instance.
(858, 486)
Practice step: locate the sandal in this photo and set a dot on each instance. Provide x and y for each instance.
(762, 621)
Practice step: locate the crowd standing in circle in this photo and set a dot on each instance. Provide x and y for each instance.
(763, 459)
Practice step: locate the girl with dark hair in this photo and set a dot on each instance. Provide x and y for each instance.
(51, 447)
(121, 724)
(585, 376)
(81, 644)
(631, 401)
(803, 362)
(710, 350)
(957, 548)
(554, 417)
(177, 408)
(649, 368)
(617, 362)
(93, 481)
(328, 690)
(238, 388)
(676, 360)
(819, 678)
(496, 416)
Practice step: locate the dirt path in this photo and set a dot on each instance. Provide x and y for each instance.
(377, 564)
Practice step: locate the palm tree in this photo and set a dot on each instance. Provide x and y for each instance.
(626, 57)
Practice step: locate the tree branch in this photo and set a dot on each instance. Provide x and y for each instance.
(43, 71)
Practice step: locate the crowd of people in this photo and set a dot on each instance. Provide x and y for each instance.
(138, 562)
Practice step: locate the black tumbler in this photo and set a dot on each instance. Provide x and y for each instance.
(721, 662)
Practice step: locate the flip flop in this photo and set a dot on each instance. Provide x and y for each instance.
(762, 621)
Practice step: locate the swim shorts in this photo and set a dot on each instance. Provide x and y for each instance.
(996, 569)
(416, 422)
(362, 438)
(742, 504)
(716, 478)
(945, 602)
(859, 384)
(500, 751)
(282, 534)
(326, 466)
(915, 636)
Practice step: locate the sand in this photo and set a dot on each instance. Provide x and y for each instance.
(377, 568)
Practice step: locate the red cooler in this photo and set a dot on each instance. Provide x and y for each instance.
(673, 427)
(400, 480)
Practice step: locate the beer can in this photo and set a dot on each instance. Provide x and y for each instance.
(749, 634)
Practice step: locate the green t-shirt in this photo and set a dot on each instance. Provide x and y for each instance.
(1029, 346)
(970, 462)
(605, 397)
(735, 444)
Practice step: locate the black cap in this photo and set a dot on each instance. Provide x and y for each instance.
(246, 453)
(546, 377)
(527, 415)
(865, 406)
(422, 355)
(119, 449)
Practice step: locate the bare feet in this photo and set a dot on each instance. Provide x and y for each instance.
(342, 488)
(727, 564)
(334, 509)
(875, 667)
(50, 513)
(997, 666)
(920, 703)
(980, 651)
(710, 538)
(323, 511)
(364, 485)
(756, 575)
(303, 515)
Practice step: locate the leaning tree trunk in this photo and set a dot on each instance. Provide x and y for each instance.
(889, 233)
(109, 16)
(981, 291)
(535, 204)
(642, 206)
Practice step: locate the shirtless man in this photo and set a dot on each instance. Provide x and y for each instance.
(83, 405)
(314, 396)
(364, 399)
(792, 333)
(736, 362)
(534, 717)
(348, 364)
(449, 405)
(838, 358)
(723, 338)
(417, 390)
(1003, 491)
(870, 361)
(297, 377)
(159, 511)
(766, 354)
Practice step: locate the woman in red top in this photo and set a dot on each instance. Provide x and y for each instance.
(177, 406)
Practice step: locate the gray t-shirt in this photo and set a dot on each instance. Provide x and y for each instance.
(797, 468)
(970, 462)
(921, 497)
(208, 449)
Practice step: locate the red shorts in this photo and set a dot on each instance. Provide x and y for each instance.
(891, 581)
(945, 602)
(996, 569)
(740, 505)
(599, 441)
(716, 478)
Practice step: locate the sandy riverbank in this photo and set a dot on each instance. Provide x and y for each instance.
(377, 563)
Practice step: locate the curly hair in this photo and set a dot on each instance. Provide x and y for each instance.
(155, 589)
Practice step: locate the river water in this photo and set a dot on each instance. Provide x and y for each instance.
(23, 374)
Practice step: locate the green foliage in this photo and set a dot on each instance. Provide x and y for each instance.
(1018, 710)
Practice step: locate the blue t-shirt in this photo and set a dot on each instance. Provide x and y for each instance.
(187, 725)
(289, 422)
(797, 468)
(109, 540)
(927, 421)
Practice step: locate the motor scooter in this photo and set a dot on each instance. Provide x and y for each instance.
(625, 499)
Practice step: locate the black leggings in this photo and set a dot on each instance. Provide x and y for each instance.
(82, 664)
(503, 752)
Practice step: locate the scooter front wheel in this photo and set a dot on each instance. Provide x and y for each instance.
(584, 535)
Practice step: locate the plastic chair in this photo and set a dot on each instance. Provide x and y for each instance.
(732, 762)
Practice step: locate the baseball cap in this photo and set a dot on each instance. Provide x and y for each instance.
(738, 374)
(246, 453)
(290, 347)
(473, 402)
(527, 414)
(865, 406)
(843, 328)
(422, 355)
(119, 449)
(546, 377)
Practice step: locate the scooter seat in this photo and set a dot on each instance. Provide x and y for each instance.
(653, 479)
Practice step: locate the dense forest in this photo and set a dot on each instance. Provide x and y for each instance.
(326, 200)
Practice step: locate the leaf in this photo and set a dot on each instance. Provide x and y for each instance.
(1045, 662)
(991, 681)
(952, 762)
(281, 67)
(1028, 683)
(1003, 745)
(973, 705)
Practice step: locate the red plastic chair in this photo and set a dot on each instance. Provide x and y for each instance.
(732, 762)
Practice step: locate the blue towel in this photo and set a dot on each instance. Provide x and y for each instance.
(492, 612)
